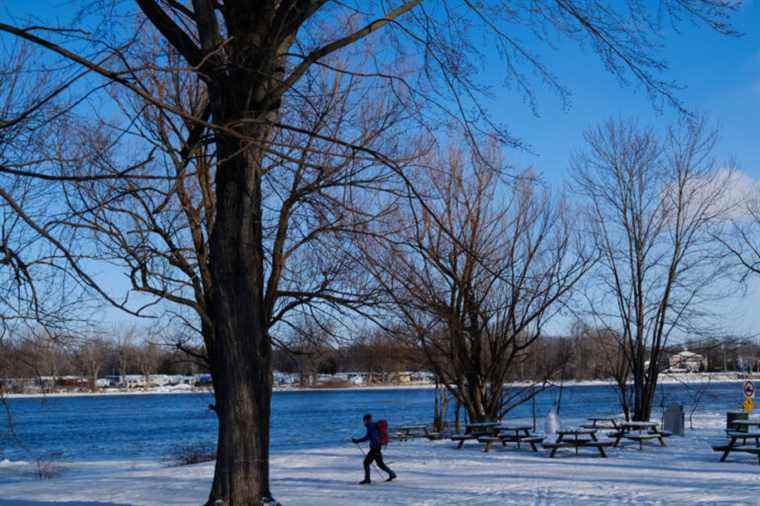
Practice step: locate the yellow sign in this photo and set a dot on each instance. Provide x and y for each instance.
(748, 405)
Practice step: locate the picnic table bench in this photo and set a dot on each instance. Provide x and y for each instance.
(512, 434)
(746, 425)
(461, 438)
(639, 432)
(734, 446)
(488, 440)
(577, 438)
(519, 434)
(474, 431)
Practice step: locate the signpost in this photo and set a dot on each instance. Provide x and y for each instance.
(749, 393)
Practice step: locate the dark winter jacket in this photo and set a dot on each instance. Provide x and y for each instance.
(372, 435)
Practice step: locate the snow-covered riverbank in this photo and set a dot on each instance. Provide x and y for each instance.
(665, 378)
(687, 472)
(173, 390)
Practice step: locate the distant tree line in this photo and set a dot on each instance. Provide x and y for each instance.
(583, 354)
(91, 359)
(576, 357)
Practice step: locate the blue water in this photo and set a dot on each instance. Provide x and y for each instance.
(151, 426)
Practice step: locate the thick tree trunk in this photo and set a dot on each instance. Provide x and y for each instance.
(243, 396)
(241, 358)
(475, 402)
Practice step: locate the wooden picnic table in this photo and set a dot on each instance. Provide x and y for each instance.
(516, 427)
(518, 434)
(482, 427)
(577, 438)
(638, 425)
(601, 422)
(640, 432)
(474, 431)
(741, 430)
(405, 432)
(734, 446)
(408, 429)
(577, 434)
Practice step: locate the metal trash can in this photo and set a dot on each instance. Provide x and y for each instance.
(736, 415)
(673, 420)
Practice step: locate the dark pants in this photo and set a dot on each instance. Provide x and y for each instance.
(374, 454)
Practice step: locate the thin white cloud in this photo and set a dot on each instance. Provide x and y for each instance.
(726, 195)
(741, 193)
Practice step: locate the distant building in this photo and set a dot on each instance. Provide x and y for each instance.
(422, 377)
(745, 363)
(687, 361)
(128, 381)
(401, 377)
(355, 378)
(202, 380)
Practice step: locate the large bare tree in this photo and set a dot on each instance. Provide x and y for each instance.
(157, 222)
(253, 60)
(656, 200)
(475, 270)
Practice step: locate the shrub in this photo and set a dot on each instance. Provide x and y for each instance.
(48, 466)
(189, 454)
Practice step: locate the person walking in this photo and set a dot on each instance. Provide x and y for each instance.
(375, 453)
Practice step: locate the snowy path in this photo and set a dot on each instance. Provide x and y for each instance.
(685, 473)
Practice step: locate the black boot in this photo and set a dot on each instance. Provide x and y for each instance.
(391, 476)
(365, 481)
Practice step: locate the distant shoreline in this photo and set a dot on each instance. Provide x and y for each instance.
(164, 391)
(668, 379)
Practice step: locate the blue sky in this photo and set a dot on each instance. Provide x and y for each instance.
(720, 75)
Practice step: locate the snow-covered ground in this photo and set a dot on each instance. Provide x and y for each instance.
(687, 472)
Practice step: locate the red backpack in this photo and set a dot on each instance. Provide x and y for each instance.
(382, 430)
